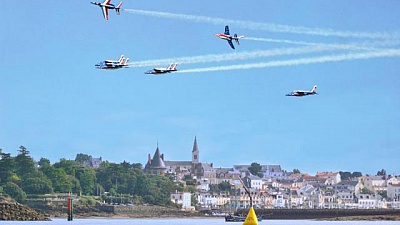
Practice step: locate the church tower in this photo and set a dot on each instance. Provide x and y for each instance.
(195, 152)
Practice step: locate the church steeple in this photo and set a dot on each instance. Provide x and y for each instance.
(195, 152)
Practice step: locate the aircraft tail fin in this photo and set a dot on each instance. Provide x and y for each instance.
(121, 59)
(314, 89)
(170, 66)
(126, 62)
(175, 66)
(236, 39)
(118, 7)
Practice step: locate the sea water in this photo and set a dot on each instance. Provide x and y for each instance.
(191, 221)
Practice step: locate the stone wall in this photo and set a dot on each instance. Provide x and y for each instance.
(146, 211)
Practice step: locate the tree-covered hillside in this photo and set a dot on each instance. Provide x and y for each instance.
(22, 175)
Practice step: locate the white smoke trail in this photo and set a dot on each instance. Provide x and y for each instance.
(364, 45)
(301, 61)
(271, 27)
(249, 55)
(280, 41)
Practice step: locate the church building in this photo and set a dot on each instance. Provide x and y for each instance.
(180, 169)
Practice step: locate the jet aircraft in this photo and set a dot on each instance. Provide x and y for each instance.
(106, 5)
(229, 38)
(171, 68)
(113, 64)
(301, 93)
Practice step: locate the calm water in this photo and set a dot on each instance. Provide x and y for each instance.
(214, 221)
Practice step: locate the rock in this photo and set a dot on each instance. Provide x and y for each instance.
(15, 211)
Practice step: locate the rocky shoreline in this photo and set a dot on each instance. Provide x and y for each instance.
(15, 211)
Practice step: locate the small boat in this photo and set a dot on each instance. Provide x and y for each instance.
(233, 218)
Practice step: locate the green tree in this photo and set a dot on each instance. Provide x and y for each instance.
(75, 185)
(356, 174)
(255, 169)
(60, 180)
(44, 162)
(224, 186)
(345, 175)
(160, 189)
(7, 165)
(24, 164)
(113, 192)
(296, 171)
(37, 185)
(193, 200)
(137, 166)
(141, 186)
(14, 192)
(382, 172)
(366, 191)
(67, 165)
(213, 188)
(87, 179)
(104, 176)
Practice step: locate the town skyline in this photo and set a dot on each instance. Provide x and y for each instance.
(214, 165)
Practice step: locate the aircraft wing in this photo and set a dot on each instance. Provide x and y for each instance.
(105, 12)
(227, 30)
(231, 44)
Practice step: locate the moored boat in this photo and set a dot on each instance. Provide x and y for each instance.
(233, 218)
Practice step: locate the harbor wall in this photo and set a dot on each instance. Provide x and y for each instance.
(318, 213)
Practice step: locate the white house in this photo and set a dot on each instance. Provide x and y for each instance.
(368, 201)
(207, 200)
(183, 198)
(393, 180)
(255, 182)
(393, 191)
(375, 183)
(204, 185)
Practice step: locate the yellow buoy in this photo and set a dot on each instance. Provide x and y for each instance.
(251, 218)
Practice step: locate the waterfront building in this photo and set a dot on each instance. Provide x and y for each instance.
(347, 198)
(393, 191)
(207, 200)
(182, 198)
(375, 183)
(331, 200)
(368, 201)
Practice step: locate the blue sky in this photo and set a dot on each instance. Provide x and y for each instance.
(57, 104)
